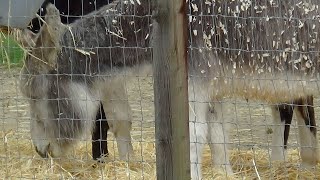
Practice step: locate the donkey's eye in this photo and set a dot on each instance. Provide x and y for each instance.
(33, 98)
(36, 117)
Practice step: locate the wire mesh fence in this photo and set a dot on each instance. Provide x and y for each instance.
(253, 85)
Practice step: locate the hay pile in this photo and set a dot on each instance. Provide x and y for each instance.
(5, 29)
(13, 32)
(19, 160)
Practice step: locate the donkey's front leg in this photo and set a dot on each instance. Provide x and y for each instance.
(119, 114)
(218, 136)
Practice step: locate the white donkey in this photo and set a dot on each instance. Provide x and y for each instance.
(256, 50)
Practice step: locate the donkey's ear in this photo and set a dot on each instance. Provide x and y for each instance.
(28, 38)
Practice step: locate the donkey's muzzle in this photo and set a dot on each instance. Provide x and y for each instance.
(43, 154)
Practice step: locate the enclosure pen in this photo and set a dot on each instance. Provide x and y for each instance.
(172, 79)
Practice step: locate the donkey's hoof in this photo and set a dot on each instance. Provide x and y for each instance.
(308, 166)
(309, 157)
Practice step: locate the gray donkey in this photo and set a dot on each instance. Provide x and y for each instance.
(232, 53)
(71, 69)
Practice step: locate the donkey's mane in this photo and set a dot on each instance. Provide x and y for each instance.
(113, 37)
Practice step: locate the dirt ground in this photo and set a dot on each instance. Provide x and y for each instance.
(252, 121)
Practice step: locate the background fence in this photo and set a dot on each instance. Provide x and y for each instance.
(241, 32)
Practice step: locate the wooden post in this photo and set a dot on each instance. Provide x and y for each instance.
(171, 90)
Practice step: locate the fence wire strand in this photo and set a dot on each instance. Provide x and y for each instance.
(253, 74)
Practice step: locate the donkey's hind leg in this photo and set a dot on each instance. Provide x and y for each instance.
(99, 135)
(309, 151)
(282, 118)
(198, 136)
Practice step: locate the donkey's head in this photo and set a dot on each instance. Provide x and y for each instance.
(61, 115)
